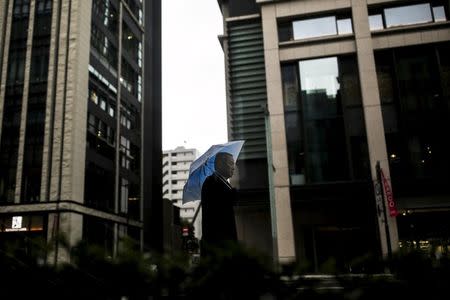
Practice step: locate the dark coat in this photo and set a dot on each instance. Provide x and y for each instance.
(218, 224)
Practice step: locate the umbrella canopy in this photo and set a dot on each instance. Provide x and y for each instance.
(203, 167)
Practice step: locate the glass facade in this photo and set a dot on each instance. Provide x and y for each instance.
(315, 27)
(34, 137)
(418, 13)
(99, 233)
(9, 143)
(114, 124)
(324, 121)
(414, 90)
(406, 15)
(54, 77)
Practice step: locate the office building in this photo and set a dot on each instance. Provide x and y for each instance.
(79, 107)
(176, 164)
(322, 91)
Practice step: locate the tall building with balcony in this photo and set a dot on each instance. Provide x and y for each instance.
(176, 164)
(76, 120)
(322, 91)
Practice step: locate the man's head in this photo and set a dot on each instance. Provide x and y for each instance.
(224, 164)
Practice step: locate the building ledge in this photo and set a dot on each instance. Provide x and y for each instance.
(242, 18)
(408, 28)
(66, 206)
(317, 40)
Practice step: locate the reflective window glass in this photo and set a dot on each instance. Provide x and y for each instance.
(414, 81)
(344, 26)
(314, 27)
(407, 15)
(439, 14)
(103, 104)
(293, 124)
(111, 111)
(376, 22)
(319, 76)
(324, 127)
(324, 121)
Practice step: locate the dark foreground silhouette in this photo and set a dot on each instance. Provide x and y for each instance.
(233, 272)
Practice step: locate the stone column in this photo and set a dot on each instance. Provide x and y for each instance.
(283, 213)
(70, 117)
(50, 101)
(372, 111)
(65, 230)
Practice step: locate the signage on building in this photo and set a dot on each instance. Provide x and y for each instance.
(16, 224)
(393, 212)
(21, 223)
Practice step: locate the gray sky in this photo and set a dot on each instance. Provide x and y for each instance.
(193, 76)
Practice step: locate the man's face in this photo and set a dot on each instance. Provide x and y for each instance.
(226, 166)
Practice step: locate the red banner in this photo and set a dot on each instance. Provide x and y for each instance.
(393, 212)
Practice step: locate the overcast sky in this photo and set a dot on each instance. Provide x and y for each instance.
(193, 76)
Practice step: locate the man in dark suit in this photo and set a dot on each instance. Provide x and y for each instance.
(218, 198)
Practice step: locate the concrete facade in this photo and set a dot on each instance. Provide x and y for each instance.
(176, 164)
(64, 170)
(361, 43)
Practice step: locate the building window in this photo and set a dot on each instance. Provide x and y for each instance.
(99, 187)
(124, 196)
(16, 66)
(315, 27)
(406, 15)
(39, 62)
(324, 121)
(132, 44)
(344, 26)
(414, 87)
(376, 22)
(93, 97)
(104, 50)
(103, 104)
(106, 11)
(439, 14)
(102, 79)
(125, 146)
(101, 138)
(92, 123)
(129, 78)
(21, 8)
(101, 99)
(125, 117)
(111, 110)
